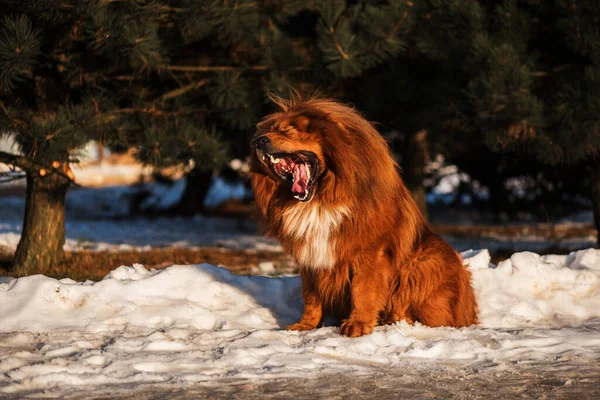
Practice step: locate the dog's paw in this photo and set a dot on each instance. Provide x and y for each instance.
(299, 327)
(355, 329)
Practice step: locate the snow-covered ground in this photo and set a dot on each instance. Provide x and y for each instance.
(95, 216)
(189, 329)
(95, 220)
(100, 219)
(143, 234)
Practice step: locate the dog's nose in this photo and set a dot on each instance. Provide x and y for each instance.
(262, 141)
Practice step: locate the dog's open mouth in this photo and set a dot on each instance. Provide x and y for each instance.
(299, 170)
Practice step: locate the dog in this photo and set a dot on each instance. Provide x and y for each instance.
(327, 188)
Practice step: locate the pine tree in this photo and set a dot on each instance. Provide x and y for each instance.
(49, 122)
(178, 81)
(532, 90)
(76, 71)
(408, 92)
(184, 82)
(576, 110)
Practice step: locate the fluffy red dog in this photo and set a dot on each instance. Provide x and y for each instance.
(328, 189)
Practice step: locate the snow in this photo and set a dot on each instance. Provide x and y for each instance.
(94, 220)
(221, 191)
(444, 181)
(527, 287)
(143, 234)
(579, 217)
(189, 325)
(164, 196)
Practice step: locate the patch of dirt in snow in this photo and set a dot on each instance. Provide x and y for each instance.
(561, 380)
(540, 381)
(95, 265)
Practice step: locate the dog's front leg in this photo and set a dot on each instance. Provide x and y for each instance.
(313, 306)
(369, 291)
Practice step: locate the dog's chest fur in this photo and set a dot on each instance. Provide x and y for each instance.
(311, 228)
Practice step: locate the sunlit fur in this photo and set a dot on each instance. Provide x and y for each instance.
(366, 253)
(319, 223)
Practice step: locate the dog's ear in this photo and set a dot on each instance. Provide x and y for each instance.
(302, 123)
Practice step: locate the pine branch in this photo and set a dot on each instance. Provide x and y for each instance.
(216, 68)
(370, 47)
(15, 121)
(221, 68)
(386, 37)
(556, 70)
(184, 89)
(155, 112)
(31, 166)
(337, 44)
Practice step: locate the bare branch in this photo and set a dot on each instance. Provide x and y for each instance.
(337, 44)
(31, 166)
(15, 121)
(184, 89)
(560, 68)
(211, 68)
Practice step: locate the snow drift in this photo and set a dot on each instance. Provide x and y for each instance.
(202, 323)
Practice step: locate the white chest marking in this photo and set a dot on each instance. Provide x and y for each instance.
(312, 225)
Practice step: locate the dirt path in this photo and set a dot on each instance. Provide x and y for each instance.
(95, 265)
(565, 380)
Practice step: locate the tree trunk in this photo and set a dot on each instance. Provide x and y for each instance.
(192, 201)
(416, 156)
(595, 186)
(43, 236)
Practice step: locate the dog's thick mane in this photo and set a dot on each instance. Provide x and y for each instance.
(362, 177)
(344, 130)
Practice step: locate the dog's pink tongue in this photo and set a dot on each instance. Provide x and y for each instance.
(300, 179)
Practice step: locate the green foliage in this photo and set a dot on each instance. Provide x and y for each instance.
(127, 34)
(158, 145)
(153, 75)
(60, 136)
(233, 19)
(528, 71)
(354, 38)
(283, 10)
(19, 48)
(167, 71)
(446, 28)
(500, 96)
(576, 110)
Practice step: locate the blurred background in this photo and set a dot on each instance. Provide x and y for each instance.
(125, 125)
